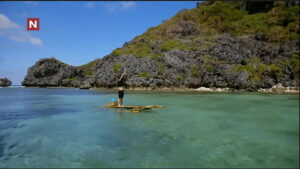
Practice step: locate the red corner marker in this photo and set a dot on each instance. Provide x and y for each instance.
(33, 24)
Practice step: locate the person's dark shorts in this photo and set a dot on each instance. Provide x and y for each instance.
(121, 94)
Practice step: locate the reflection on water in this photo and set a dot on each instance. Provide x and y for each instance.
(70, 128)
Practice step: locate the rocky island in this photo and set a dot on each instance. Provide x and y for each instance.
(217, 44)
(4, 82)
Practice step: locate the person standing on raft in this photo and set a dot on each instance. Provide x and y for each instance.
(121, 84)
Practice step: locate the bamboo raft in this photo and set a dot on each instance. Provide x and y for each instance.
(133, 109)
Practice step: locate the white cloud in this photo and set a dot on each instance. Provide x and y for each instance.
(128, 5)
(32, 3)
(89, 5)
(5, 23)
(119, 6)
(36, 41)
(23, 36)
(13, 31)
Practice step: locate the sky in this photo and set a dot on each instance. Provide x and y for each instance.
(73, 32)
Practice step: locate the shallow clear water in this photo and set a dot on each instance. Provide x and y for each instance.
(69, 128)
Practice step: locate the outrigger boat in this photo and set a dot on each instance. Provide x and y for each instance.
(134, 109)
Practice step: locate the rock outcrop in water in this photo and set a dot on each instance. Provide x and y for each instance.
(50, 72)
(186, 51)
(4, 82)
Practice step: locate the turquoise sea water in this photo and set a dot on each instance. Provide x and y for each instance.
(69, 128)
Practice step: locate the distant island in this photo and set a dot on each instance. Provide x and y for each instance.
(4, 82)
(238, 45)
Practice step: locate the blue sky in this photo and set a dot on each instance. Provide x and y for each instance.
(73, 32)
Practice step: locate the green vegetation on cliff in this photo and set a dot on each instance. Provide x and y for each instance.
(117, 67)
(58, 61)
(144, 74)
(88, 68)
(275, 22)
(256, 68)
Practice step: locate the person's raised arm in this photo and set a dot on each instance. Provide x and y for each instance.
(122, 75)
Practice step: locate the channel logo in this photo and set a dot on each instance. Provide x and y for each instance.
(33, 24)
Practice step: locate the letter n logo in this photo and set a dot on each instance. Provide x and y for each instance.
(33, 24)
